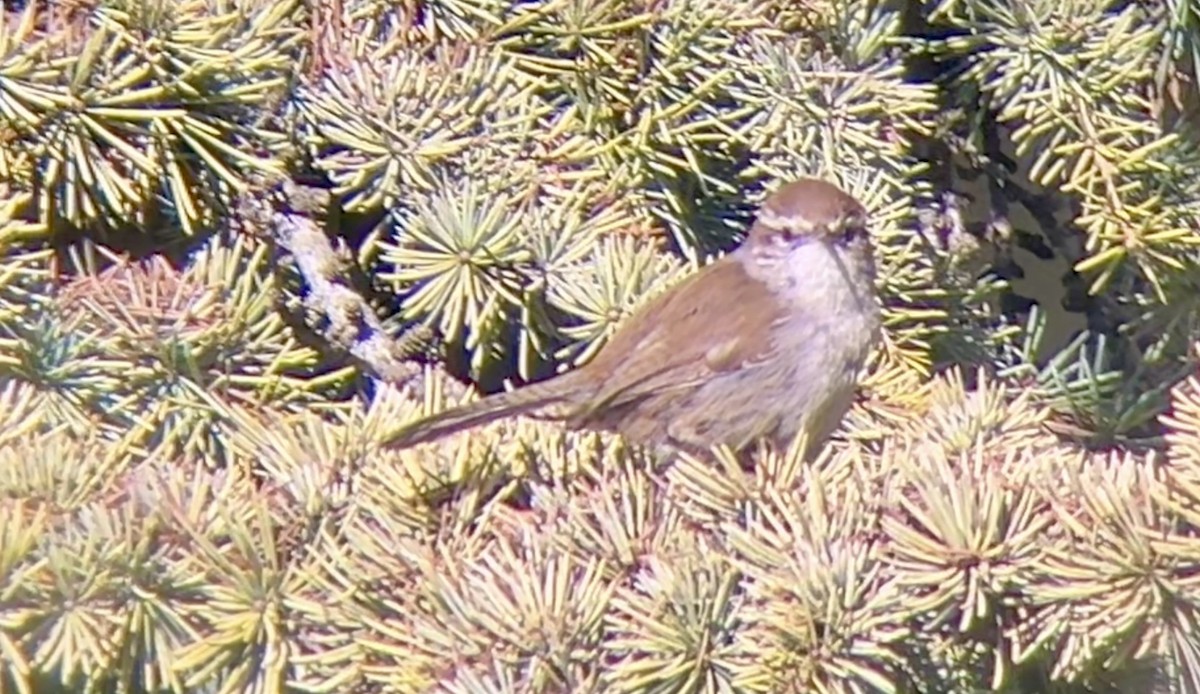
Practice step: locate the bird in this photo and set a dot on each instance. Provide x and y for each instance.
(755, 347)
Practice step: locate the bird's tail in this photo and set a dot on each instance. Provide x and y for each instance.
(521, 401)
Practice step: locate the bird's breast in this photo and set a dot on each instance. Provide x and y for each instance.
(823, 285)
(800, 374)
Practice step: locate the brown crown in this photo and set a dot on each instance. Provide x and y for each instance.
(809, 207)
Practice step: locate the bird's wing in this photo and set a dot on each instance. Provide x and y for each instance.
(713, 322)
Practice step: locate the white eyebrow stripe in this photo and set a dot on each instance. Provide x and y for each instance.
(801, 224)
(771, 219)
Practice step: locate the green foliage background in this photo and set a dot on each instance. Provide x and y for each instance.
(194, 344)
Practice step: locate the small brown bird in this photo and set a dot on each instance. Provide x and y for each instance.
(758, 345)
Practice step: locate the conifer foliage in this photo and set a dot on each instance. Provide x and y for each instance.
(241, 241)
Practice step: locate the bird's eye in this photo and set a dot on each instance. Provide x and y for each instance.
(850, 227)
